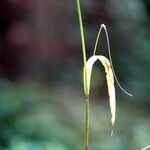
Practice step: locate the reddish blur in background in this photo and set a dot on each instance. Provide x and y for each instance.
(41, 94)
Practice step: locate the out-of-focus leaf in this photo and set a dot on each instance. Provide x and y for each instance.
(110, 81)
(147, 147)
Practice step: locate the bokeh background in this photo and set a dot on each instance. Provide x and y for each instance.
(41, 91)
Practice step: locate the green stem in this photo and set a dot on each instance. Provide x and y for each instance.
(81, 31)
(84, 61)
(86, 144)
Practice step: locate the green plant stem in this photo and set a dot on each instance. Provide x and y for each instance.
(86, 144)
(84, 61)
(81, 31)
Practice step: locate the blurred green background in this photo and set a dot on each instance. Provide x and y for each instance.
(41, 91)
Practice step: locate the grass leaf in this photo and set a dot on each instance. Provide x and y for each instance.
(145, 148)
(110, 81)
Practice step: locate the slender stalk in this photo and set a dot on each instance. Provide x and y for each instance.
(86, 144)
(96, 43)
(109, 52)
(81, 31)
(108, 45)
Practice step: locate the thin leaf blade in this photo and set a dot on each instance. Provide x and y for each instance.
(110, 81)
